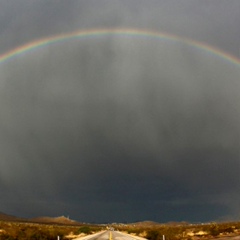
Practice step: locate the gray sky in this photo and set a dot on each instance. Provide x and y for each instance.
(120, 128)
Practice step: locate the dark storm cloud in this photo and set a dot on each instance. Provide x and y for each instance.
(118, 128)
(106, 120)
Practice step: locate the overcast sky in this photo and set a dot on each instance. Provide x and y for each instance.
(120, 128)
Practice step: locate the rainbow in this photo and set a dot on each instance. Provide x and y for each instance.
(123, 31)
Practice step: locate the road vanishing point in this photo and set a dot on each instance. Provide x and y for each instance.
(110, 235)
(116, 235)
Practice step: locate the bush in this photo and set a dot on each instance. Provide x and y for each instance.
(85, 230)
(153, 235)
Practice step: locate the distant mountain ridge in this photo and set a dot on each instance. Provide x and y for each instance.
(145, 223)
(54, 220)
(6, 217)
(59, 220)
(67, 221)
(152, 223)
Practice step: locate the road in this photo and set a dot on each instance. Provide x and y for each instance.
(110, 235)
(115, 235)
(227, 238)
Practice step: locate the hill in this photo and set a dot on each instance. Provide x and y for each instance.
(49, 220)
(156, 224)
(6, 217)
(145, 224)
(55, 220)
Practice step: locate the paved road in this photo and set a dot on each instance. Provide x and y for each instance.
(115, 235)
(228, 238)
(110, 235)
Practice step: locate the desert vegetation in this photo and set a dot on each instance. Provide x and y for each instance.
(10, 230)
(184, 231)
(24, 231)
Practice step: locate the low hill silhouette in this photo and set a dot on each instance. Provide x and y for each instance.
(6, 217)
(55, 220)
(48, 220)
(145, 224)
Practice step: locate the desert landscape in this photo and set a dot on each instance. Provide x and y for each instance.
(41, 228)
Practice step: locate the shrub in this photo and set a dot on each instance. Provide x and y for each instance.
(152, 235)
(85, 230)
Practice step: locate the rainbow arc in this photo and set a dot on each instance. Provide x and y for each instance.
(123, 31)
